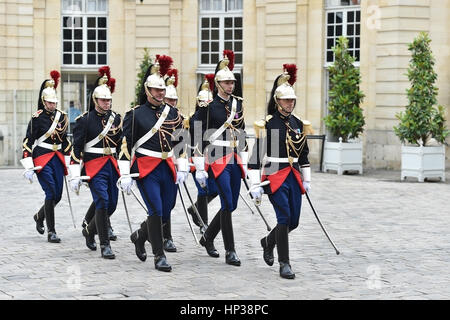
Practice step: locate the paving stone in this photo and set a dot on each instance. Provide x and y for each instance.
(393, 237)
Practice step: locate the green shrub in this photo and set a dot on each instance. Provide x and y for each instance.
(421, 120)
(345, 117)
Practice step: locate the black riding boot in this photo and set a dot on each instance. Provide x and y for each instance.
(111, 234)
(89, 234)
(138, 238)
(268, 244)
(226, 226)
(89, 215)
(154, 228)
(202, 207)
(49, 210)
(283, 252)
(101, 222)
(169, 246)
(207, 240)
(39, 218)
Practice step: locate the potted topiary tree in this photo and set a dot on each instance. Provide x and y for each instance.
(345, 119)
(421, 129)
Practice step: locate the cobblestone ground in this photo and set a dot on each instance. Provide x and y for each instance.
(393, 237)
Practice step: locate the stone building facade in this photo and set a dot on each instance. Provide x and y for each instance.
(77, 36)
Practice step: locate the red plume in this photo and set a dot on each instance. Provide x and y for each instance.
(292, 71)
(104, 70)
(210, 78)
(165, 62)
(55, 76)
(230, 55)
(112, 84)
(173, 72)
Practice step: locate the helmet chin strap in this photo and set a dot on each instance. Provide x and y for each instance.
(152, 96)
(280, 108)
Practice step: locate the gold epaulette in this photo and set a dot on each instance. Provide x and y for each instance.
(239, 98)
(81, 115)
(61, 111)
(135, 107)
(260, 128)
(268, 117)
(307, 127)
(37, 113)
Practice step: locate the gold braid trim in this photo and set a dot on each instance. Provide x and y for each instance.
(25, 146)
(74, 158)
(124, 149)
(69, 146)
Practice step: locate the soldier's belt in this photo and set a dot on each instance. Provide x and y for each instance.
(107, 150)
(224, 143)
(282, 160)
(155, 154)
(49, 146)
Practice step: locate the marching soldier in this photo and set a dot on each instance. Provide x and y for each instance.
(148, 149)
(95, 138)
(206, 193)
(224, 153)
(171, 99)
(282, 141)
(44, 147)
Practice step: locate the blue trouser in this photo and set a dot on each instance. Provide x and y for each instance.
(229, 185)
(103, 188)
(159, 191)
(210, 190)
(287, 202)
(51, 179)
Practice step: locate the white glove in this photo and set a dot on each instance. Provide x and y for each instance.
(28, 174)
(244, 158)
(75, 184)
(254, 177)
(67, 160)
(181, 177)
(257, 193)
(201, 176)
(307, 186)
(126, 184)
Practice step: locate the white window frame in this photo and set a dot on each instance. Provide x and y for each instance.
(326, 76)
(222, 15)
(84, 16)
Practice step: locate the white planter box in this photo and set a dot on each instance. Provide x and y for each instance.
(342, 156)
(423, 162)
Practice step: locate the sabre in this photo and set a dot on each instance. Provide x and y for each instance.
(133, 175)
(70, 203)
(320, 223)
(245, 201)
(194, 207)
(138, 200)
(126, 211)
(187, 217)
(257, 208)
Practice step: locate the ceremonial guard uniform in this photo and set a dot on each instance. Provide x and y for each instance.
(223, 155)
(171, 99)
(206, 193)
(44, 147)
(149, 144)
(281, 150)
(96, 135)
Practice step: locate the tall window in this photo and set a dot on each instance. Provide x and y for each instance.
(84, 32)
(220, 28)
(343, 18)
